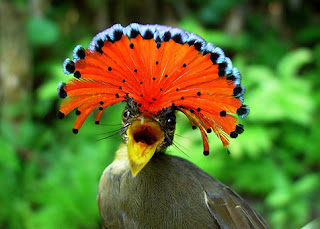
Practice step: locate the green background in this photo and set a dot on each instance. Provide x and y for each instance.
(49, 176)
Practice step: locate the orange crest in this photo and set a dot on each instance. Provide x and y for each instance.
(158, 67)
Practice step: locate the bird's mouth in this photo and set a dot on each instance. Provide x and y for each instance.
(144, 136)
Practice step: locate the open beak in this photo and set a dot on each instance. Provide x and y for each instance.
(144, 137)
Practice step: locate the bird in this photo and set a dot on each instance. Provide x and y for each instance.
(157, 71)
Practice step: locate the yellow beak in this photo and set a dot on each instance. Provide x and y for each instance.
(144, 136)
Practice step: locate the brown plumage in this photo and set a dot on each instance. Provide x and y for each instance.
(170, 192)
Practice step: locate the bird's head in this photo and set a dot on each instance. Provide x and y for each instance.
(146, 133)
(157, 70)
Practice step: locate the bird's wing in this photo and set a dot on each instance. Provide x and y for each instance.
(226, 207)
(231, 211)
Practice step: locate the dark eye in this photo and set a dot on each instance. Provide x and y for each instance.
(171, 122)
(125, 114)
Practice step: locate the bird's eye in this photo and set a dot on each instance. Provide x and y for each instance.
(125, 114)
(171, 122)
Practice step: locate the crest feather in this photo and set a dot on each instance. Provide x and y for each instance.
(158, 67)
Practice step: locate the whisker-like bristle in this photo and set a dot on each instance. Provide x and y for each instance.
(107, 124)
(171, 142)
(180, 146)
(181, 136)
(110, 132)
(110, 136)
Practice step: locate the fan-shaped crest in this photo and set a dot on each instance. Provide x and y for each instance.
(158, 66)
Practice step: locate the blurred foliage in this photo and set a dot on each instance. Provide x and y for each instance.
(49, 177)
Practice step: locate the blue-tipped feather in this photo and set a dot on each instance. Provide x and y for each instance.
(60, 90)
(229, 66)
(235, 76)
(243, 111)
(78, 53)
(68, 66)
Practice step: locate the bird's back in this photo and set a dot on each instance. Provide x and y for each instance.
(170, 192)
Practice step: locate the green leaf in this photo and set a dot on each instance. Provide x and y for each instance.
(42, 31)
(290, 64)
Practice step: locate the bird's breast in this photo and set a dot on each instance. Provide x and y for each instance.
(162, 195)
